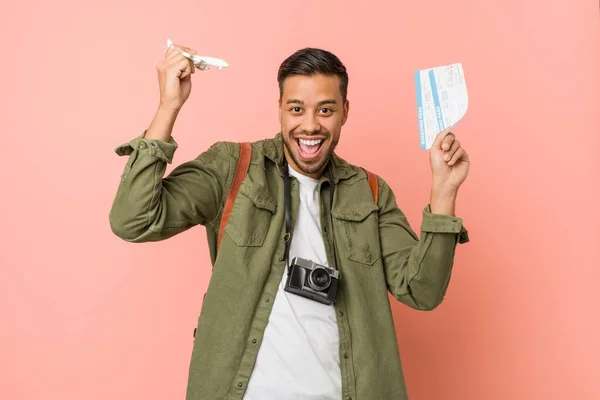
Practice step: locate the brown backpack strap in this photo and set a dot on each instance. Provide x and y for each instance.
(238, 177)
(374, 185)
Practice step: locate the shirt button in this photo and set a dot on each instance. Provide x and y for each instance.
(346, 356)
(254, 341)
(348, 397)
(341, 313)
(240, 384)
(280, 258)
(267, 299)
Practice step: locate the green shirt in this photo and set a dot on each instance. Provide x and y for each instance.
(378, 253)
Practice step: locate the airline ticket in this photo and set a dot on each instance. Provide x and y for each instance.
(442, 100)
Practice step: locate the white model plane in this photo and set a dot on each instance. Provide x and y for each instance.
(201, 62)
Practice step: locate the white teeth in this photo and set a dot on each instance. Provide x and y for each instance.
(310, 142)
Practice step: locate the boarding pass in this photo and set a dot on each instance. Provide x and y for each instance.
(441, 100)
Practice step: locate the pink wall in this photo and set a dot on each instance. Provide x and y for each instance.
(85, 315)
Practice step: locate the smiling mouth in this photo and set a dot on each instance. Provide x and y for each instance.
(309, 148)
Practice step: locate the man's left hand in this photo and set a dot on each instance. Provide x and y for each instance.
(449, 162)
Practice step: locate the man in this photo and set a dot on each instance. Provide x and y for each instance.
(255, 338)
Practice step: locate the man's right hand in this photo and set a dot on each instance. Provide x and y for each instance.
(175, 83)
(175, 78)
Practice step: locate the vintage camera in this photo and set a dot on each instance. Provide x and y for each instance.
(313, 281)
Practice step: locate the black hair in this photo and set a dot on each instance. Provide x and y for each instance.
(310, 61)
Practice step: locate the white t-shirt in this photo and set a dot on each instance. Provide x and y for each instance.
(299, 356)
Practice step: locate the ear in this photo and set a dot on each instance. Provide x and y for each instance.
(346, 111)
(279, 110)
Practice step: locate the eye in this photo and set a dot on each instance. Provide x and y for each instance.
(326, 110)
(295, 109)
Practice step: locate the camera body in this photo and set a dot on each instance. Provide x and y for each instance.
(313, 281)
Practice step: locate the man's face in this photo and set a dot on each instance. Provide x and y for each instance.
(312, 113)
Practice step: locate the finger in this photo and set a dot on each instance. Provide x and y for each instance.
(167, 65)
(176, 66)
(172, 47)
(452, 150)
(448, 140)
(185, 67)
(179, 48)
(175, 48)
(439, 139)
(177, 57)
(458, 154)
(189, 50)
(186, 73)
(172, 52)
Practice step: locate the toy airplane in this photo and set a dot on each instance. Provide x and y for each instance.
(201, 62)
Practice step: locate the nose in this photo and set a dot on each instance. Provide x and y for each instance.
(310, 124)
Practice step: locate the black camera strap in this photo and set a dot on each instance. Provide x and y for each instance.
(288, 212)
(287, 201)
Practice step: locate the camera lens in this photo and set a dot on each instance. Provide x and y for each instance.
(319, 279)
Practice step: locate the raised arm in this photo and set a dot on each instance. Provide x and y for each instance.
(148, 207)
(418, 269)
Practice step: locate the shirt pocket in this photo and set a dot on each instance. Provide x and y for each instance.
(251, 216)
(357, 225)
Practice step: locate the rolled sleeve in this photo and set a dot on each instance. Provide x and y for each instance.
(150, 206)
(156, 148)
(439, 223)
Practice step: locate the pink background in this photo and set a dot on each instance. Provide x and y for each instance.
(85, 315)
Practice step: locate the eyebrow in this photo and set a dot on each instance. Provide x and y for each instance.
(296, 101)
